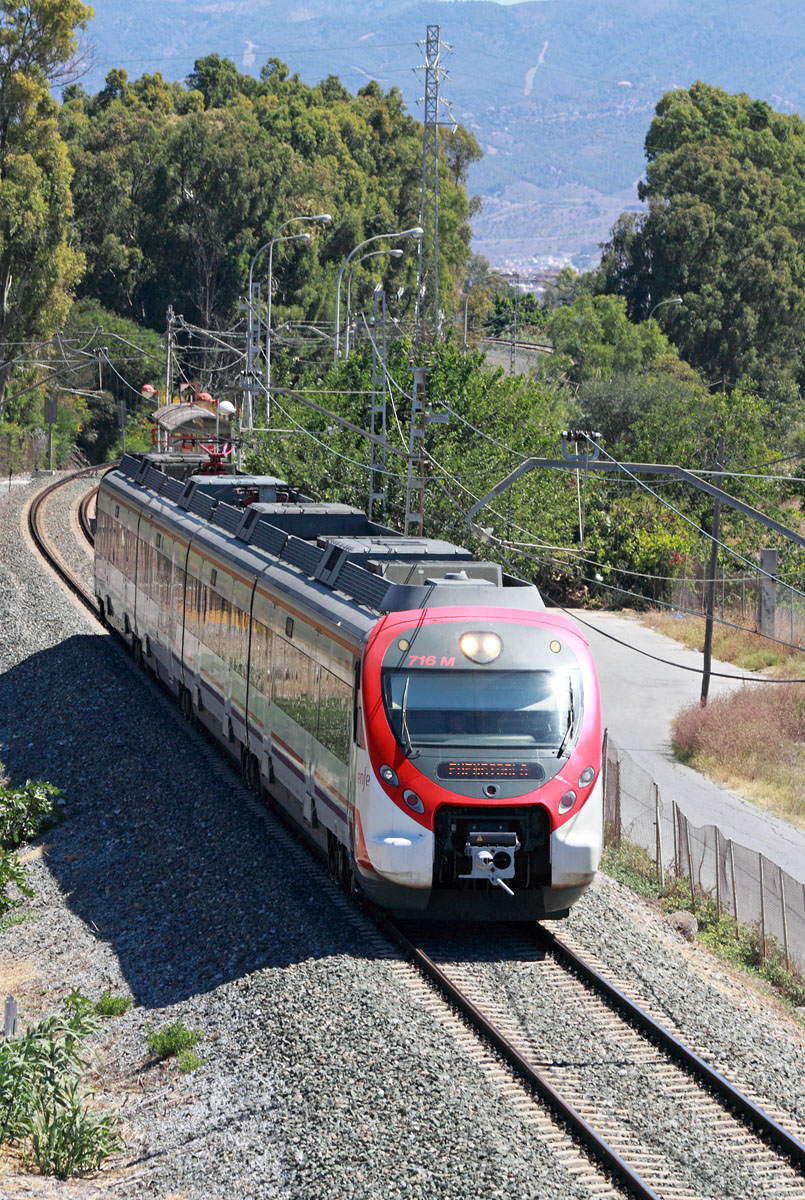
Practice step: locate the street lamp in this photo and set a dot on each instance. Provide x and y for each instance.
(672, 300)
(323, 219)
(290, 237)
(417, 231)
(357, 263)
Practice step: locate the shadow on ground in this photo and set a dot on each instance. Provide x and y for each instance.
(156, 855)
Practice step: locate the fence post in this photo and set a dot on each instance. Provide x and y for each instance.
(658, 827)
(762, 906)
(10, 1017)
(718, 874)
(734, 885)
(604, 765)
(618, 802)
(677, 855)
(785, 918)
(690, 869)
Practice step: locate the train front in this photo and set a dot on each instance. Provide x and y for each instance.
(479, 791)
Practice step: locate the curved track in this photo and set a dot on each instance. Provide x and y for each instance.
(461, 966)
(36, 525)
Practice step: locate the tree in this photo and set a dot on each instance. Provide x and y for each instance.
(594, 338)
(725, 189)
(38, 265)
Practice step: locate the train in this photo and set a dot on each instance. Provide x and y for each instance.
(432, 726)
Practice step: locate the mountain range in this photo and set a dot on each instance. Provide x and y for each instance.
(559, 93)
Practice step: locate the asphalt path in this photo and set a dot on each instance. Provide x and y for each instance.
(641, 696)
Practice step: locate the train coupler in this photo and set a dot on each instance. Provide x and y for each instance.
(492, 856)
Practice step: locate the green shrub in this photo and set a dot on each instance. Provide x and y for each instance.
(172, 1039)
(12, 873)
(64, 1137)
(188, 1061)
(43, 1105)
(25, 812)
(112, 1006)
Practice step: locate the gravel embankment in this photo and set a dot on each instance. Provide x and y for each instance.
(324, 1077)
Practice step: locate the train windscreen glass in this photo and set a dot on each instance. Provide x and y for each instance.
(528, 709)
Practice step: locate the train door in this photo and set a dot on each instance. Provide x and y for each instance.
(193, 623)
(239, 657)
(213, 641)
(293, 708)
(130, 521)
(259, 694)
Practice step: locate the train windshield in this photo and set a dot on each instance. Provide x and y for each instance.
(527, 709)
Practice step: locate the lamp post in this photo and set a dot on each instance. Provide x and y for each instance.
(323, 219)
(416, 231)
(290, 237)
(357, 263)
(672, 300)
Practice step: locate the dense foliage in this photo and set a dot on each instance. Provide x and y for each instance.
(38, 263)
(176, 188)
(725, 190)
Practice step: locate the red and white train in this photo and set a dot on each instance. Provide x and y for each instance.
(422, 714)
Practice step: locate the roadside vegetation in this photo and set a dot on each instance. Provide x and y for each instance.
(739, 945)
(753, 740)
(748, 650)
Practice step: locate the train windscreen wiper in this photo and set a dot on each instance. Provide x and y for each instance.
(571, 716)
(406, 736)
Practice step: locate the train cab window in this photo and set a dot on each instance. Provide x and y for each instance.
(289, 627)
(213, 577)
(159, 541)
(527, 709)
(117, 510)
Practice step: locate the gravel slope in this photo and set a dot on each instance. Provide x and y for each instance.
(324, 1074)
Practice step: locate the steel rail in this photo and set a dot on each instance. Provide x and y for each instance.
(740, 1104)
(36, 528)
(84, 519)
(595, 1145)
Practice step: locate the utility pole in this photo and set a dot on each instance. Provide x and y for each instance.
(427, 280)
(712, 566)
(415, 483)
(169, 357)
(377, 427)
(253, 340)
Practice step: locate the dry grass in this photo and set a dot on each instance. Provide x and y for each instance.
(746, 650)
(752, 740)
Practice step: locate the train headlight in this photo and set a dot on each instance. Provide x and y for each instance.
(567, 801)
(480, 647)
(587, 776)
(388, 775)
(413, 801)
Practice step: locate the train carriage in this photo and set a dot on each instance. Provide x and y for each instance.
(428, 721)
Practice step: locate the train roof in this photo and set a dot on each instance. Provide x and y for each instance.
(337, 547)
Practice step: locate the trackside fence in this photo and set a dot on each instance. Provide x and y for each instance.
(742, 882)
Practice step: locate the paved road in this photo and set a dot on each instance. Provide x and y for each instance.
(641, 697)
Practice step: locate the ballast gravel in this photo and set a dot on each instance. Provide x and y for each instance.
(323, 1074)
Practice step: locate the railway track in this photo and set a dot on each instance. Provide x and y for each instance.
(607, 1149)
(475, 974)
(36, 526)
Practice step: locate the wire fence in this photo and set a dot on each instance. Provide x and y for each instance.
(747, 599)
(741, 882)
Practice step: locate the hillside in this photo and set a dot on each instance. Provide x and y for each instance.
(559, 92)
